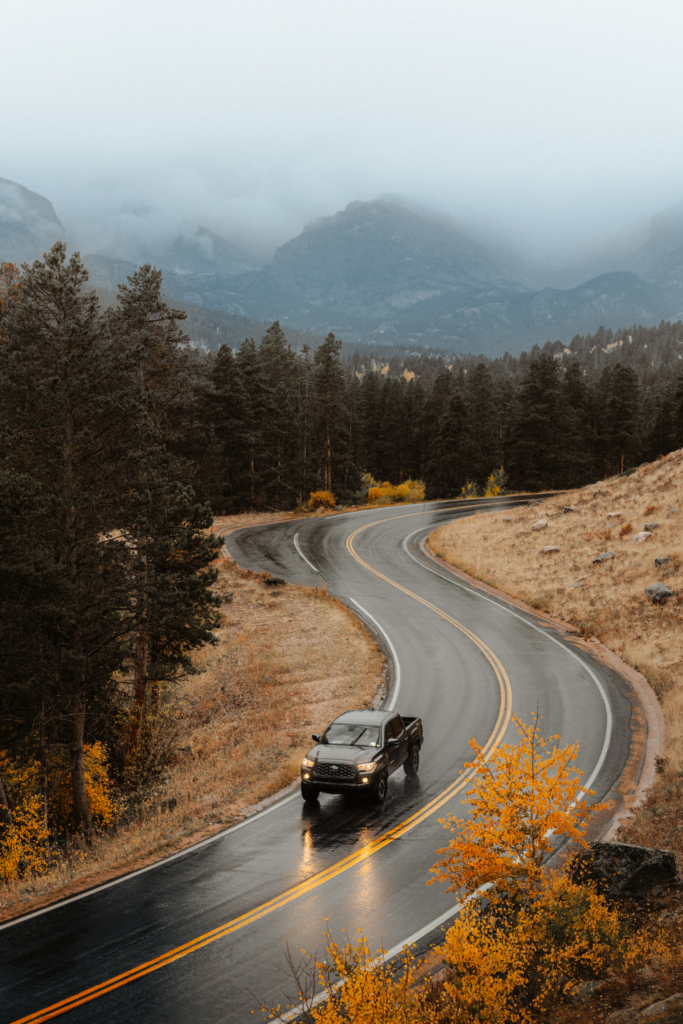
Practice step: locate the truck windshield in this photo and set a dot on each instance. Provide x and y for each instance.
(352, 735)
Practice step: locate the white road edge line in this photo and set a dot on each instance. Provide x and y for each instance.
(300, 552)
(397, 663)
(157, 864)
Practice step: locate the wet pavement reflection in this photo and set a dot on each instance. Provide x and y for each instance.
(349, 820)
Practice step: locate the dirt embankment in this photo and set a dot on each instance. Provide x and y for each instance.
(288, 660)
(606, 598)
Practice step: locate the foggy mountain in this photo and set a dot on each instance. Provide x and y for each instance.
(28, 223)
(201, 252)
(377, 273)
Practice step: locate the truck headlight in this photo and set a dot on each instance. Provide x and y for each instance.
(307, 763)
(369, 767)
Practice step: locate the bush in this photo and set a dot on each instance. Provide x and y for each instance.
(322, 499)
(389, 494)
(362, 988)
(470, 490)
(495, 484)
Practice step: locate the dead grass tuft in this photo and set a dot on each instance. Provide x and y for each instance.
(289, 659)
(603, 599)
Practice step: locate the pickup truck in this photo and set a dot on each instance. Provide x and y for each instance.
(358, 752)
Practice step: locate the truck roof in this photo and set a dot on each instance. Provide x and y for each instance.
(362, 716)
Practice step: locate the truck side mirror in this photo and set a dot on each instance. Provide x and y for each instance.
(316, 737)
(392, 741)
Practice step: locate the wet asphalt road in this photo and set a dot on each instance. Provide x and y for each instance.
(446, 676)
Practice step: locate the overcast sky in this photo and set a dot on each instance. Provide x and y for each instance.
(556, 122)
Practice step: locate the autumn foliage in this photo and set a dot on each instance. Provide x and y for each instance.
(362, 988)
(322, 499)
(25, 841)
(390, 494)
(521, 795)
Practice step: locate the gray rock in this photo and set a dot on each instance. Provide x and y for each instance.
(540, 525)
(651, 527)
(672, 512)
(604, 557)
(549, 549)
(614, 515)
(620, 868)
(625, 1016)
(640, 538)
(662, 1006)
(568, 508)
(586, 991)
(663, 561)
(658, 593)
(536, 501)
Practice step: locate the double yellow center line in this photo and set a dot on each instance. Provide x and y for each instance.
(352, 860)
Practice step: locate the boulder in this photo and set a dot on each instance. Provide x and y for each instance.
(540, 525)
(622, 869)
(640, 538)
(651, 527)
(672, 512)
(604, 557)
(663, 561)
(550, 549)
(614, 515)
(659, 593)
(662, 1006)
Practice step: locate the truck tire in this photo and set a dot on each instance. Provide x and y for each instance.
(412, 765)
(379, 793)
(309, 792)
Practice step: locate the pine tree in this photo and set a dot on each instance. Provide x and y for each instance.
(329, 405)
(173, 607)
(535, 457)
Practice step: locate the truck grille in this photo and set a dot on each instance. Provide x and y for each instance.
(324, 769)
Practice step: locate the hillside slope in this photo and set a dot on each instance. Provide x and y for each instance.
(605, 599)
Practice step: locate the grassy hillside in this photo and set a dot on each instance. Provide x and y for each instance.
(605, 599)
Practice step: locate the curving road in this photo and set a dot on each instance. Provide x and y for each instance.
(201, 937)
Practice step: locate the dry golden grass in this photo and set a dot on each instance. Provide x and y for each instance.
(288, 660)
(606, 599)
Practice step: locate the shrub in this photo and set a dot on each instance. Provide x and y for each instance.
(103, 808)
(322, 499)
(625, 530)
(513, 963)
(495, 484)
(388, 494)
(24, 845)
(470, 490)
(362, 988)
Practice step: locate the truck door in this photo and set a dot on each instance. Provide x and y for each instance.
(398, 752)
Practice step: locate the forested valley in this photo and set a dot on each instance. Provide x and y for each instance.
(121, 441)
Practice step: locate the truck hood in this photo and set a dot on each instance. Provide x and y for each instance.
(337, 752)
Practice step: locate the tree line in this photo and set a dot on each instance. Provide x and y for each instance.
(280, 423)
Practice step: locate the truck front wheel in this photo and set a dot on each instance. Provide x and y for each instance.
(412, 765)
(379, 793)
(308, 791)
